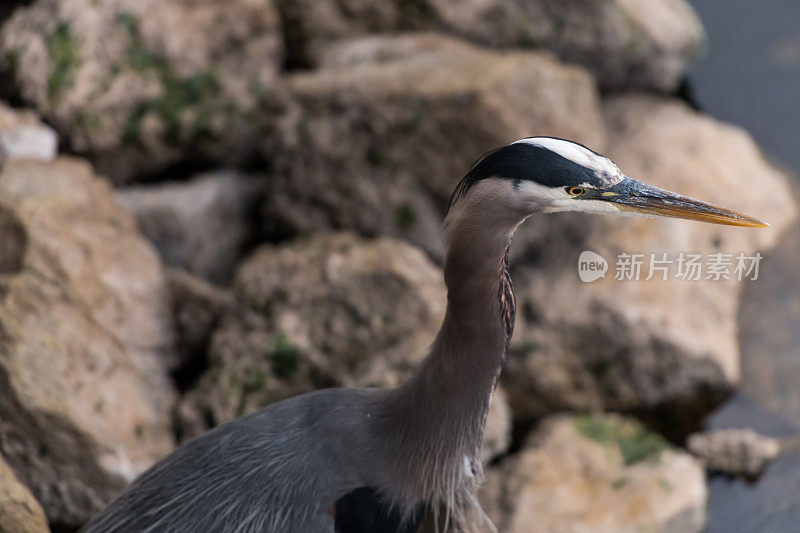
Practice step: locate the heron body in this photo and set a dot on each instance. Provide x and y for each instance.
(366, 460)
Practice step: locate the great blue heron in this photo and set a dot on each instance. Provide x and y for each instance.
(371, 460)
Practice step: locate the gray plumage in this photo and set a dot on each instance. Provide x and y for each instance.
(284, 468)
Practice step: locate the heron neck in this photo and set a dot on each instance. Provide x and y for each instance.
(438, 415)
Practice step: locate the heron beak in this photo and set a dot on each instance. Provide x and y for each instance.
(638, 197)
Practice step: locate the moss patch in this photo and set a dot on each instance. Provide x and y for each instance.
(414, 9)
(601, 368)
(254, 380)
(11, 61)
(87, 122)
(523, 351)
(284, 360)
(376, 156)
(619, 483)
(405, 217)
(635, 442)
(64, 61)
(185, 104)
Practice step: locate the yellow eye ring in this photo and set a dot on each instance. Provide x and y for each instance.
(575, 191)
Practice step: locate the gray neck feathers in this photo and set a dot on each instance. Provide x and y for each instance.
(436, 418)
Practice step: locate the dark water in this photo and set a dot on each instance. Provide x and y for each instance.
(751, 77)
(751, 74)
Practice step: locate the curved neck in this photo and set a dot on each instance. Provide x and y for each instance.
(437, 416)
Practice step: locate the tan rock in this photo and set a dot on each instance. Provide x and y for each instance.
(84, 395)
(597, 474)
(497, 433)
(643, 344)
(19, 510)
(133, 82)
(624, 43)
(369, 152)
(333, 310)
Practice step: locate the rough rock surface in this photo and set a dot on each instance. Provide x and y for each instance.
(197, 308)
(84, 396)
(666, 346)
(624, 43)
(134, 82)
(19, 511)
(497, 433)
(23, 136)
(333, 310)
(596, 473)
(368, 156)
(201, 225)
(734, 451)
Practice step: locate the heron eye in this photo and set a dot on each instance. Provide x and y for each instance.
(575, 191)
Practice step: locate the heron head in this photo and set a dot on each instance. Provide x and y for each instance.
(547, 175)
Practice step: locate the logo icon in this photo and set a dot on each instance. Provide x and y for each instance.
(591, 266)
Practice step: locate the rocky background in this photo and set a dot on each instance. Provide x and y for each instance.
(206, 207)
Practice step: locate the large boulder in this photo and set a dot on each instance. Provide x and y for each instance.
(84, 396)
(326, 311)
(624, 43)
(369, 151)
(332, 310)
(19, 511)
(132, 83)
(202, 225)
(660, 346)
(596, 473)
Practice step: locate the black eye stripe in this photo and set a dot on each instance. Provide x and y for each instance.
(526, 162)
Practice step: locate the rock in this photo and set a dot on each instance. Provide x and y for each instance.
(23, 136)
(497, 434)
(333, 310)
(740, 452)
(197, 309)
(369, 152)
(625, 43)
(311, 25)
(84, 396)
(646, 44)
(769, 340)
(133, 83)
(201, 225)
(417, 47)
(597, 473)
(19, 511)
(667, 347)
(371, 308)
